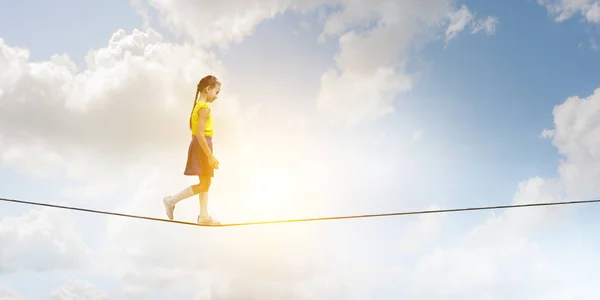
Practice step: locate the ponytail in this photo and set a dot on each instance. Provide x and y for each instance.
(194, 104)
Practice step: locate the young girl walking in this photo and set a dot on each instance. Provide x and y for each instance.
(200, 160)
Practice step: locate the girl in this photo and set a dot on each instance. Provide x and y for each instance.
(200, 160)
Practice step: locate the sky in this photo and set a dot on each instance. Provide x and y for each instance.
(327, 108)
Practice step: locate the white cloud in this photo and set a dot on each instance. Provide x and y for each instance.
(375, 44)
(501, 258)
(375, 41)
(54, 119)
(221, 22)
(458, 21)
(178, 255)
(547, 134)
(355, 95)
(6, 293)
(116, 77)
(420, 233)
(483, 264)
(374, 37)
(488, 25)
(41, 240)
(76, 289)
(565, 9)
(462, 17)
(576, 136)
(593, 13)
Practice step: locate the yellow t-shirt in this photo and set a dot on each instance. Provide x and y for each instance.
(208, 125)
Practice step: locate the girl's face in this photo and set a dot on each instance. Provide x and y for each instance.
(213, 93)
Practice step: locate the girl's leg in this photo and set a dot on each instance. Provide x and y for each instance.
(171, 201)
(204, 204)
(204, 217)
(183, 194)
(203, 192)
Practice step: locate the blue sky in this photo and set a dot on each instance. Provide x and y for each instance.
(29, 24)
(481, 104)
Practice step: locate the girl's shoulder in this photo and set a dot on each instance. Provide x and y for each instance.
(201, 104)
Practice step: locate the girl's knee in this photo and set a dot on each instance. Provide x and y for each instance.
(203, 186)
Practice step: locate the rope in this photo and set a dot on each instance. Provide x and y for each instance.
(304, 220)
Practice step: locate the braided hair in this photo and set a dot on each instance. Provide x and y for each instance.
(207, 81)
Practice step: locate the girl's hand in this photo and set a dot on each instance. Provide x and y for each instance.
(213, 162)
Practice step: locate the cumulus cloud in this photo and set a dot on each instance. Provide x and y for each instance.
(6, 293)
(353, 96)
(576, 136)
(182, 255)
(76, 289)
(221, 22)
(563, 10)
(374, 39)
(482, 264)
(420, 233)
(375, 45)
(123, 109)
(136, 82)
(262, 263)
(41, 240)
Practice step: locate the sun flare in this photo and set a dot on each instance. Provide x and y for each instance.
(269, 193)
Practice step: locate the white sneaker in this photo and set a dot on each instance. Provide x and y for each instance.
(168, 207)
(208, 220)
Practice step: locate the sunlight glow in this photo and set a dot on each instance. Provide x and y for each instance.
(269, 192)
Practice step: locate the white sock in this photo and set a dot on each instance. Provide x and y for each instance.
(203, 204)
(183, 194)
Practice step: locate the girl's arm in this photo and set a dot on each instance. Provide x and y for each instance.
(202, 116)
